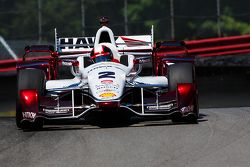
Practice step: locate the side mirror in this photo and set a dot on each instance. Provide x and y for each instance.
(142, 60)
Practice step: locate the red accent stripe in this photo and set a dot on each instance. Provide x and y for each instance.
(10, 64)
(131, 40)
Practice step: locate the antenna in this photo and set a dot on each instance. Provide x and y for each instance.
(152, 36)
(56, 41)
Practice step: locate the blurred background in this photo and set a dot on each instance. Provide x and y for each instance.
(173, 19)
(26, 22)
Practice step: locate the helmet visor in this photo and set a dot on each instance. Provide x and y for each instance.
(102, 58)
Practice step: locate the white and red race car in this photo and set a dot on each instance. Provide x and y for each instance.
(106, 77)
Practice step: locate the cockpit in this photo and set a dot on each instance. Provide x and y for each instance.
(101, 53)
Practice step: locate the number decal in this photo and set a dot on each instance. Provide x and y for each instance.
(106, 74)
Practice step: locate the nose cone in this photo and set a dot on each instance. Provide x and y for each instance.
(106, 82)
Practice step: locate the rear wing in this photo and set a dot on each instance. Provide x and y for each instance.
(136, 44)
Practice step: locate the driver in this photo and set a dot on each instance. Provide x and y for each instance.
(101, 53)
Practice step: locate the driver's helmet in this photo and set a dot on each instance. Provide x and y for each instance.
(101, 53)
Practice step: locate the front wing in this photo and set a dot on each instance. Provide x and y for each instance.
(76, 104)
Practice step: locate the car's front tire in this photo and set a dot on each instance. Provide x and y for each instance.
(29, 79)
(183, 73)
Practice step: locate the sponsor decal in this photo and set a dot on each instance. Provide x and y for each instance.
(29, 115)
(161, 107)
(187, 109)
(78, 42)
(107, 94)
(107, 87)
(104, 66)
(55, 111)
(97, 67)
(107, 81)
(106, 74)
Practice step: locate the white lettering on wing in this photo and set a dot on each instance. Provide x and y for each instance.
(29, 115)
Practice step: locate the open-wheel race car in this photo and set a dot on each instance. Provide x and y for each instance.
(106, 76)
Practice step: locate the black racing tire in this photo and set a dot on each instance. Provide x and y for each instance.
(182, 73)
(29, 79)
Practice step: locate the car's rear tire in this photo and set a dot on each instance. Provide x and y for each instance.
(182, 73)
(29, 79)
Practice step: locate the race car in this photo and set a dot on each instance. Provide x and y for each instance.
(106, 77)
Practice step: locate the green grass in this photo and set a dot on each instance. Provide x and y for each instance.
(8, 114)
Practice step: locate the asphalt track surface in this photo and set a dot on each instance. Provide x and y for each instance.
(221, 138)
